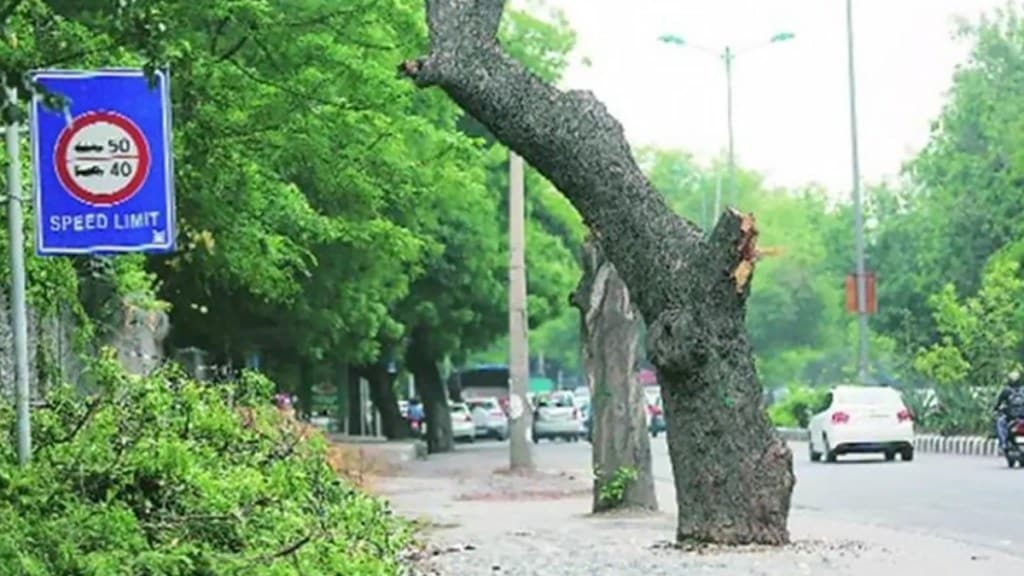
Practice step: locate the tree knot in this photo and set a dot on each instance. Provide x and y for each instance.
(677, 343)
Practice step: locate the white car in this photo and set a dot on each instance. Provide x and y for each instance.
(862, 420)
(557, 416)
(462, 423)
(488, 417)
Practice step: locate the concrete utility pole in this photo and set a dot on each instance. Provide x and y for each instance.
(19, 320)
(520, 412)
(858, 210)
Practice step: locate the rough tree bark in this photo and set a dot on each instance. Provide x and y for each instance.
(356, 409)
(610, 329)
(382, 394)
(431, 388)
(733, 475)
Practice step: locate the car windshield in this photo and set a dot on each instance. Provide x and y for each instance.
(556, 401)
(483, 404)
(867, 396)
(458, 409)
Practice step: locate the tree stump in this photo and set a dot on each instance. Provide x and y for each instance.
(609, 326)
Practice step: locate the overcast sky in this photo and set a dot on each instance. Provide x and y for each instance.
(791, 102)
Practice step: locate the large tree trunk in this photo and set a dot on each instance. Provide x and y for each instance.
(610, 328)
(356, 408)
(382, 394)
(431, 388)
(733, 475)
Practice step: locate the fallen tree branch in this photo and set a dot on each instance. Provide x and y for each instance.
(91, 408)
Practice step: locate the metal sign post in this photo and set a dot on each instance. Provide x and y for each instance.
(104, 181)
(19, 313)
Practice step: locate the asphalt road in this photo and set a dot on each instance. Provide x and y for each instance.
(967, 498)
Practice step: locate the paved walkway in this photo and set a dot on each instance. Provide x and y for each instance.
(482, 522)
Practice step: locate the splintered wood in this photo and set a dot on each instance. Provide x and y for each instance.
(748, 252)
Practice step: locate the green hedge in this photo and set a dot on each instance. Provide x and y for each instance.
(797, 408)
(167, 476)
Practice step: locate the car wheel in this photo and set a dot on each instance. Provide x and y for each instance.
(907, 455)
(830, 454)
(815, 456)
(890, 456)
(536, 439)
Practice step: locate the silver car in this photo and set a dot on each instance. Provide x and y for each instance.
(488, 417)
(557, 416)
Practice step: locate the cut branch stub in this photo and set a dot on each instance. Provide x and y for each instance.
(735, 237)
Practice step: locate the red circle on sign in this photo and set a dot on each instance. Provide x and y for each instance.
(62, 161)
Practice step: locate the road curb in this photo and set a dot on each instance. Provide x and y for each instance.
(397, 451)
(960, 445)
(793, 434)
(931, 443)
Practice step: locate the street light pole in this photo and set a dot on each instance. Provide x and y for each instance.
(728, 55)
(858, 210)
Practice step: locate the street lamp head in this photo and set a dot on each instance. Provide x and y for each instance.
(672, 39)
(783, 36)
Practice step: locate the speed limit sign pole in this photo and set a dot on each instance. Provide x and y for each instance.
(19, 317)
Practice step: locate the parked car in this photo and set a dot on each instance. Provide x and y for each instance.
(489, 419)
(859, 420)
(557, 416)
(462, 423)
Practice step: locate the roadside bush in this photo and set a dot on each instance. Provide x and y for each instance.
(796, 409)
(163, 475)
(959, 410)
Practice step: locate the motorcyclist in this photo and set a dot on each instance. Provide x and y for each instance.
(1009, 407)
(416, 415)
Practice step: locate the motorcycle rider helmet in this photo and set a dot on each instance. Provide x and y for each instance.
(1013, 378)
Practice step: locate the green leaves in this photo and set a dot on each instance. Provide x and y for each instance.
(947, 246)
(980, 334)
(166, 476)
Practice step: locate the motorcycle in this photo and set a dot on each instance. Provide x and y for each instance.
(1014, 451)
(417, 427)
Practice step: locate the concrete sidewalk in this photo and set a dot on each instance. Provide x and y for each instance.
(481, 522)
